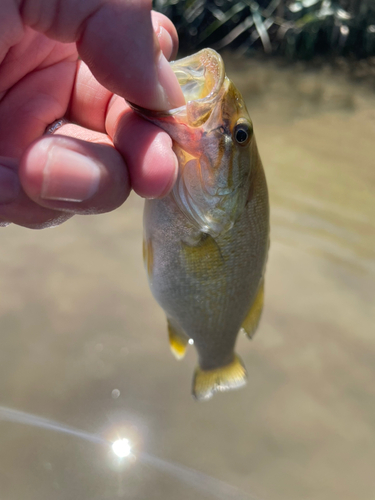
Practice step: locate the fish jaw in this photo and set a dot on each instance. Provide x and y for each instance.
(201, 77)
(214, 170)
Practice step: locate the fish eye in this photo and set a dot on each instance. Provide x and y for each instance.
(242, 133)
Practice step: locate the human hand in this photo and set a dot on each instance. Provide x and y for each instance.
(93, 162)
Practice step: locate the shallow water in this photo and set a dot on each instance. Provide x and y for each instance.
(78, 321)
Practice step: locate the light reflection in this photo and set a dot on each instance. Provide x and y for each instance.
(122, 448)
(191, 341)
(115, 393)
(20, 417)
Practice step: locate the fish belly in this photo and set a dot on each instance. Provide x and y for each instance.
(206, 286)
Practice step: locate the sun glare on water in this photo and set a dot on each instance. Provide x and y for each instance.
(122, 448)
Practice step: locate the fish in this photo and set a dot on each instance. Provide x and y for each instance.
(206, 243)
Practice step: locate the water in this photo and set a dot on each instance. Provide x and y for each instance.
(20, 417)
(202, 483)
(78, 322)
(123, 450)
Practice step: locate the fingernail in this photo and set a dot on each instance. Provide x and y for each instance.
(164, 38)
(9, 185)
(69, 176)
(171, 90)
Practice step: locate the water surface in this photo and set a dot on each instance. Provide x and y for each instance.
(84, 343)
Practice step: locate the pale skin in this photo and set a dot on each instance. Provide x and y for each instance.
(90, 165)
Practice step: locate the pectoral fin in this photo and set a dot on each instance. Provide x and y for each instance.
(177, 341)
(251, 321)
(207, 382)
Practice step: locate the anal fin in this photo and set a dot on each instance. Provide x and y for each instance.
(177, 341)
(252, 319)
(207, 382)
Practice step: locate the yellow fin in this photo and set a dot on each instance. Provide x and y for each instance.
(207, 382)
(177, 342)
(253, 316)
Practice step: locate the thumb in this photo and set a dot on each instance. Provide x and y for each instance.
(117, 42)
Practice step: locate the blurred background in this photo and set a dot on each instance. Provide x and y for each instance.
(85, 344)
(301, 29)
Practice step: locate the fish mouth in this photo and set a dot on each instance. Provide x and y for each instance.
(201, 78)
(200, 75)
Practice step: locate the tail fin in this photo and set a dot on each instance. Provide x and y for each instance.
(207, 382)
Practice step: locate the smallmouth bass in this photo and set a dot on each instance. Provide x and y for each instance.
(206, 243)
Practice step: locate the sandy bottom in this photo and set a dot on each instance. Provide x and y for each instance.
(78, 321)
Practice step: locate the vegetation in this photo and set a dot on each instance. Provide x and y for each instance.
(297, 29)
